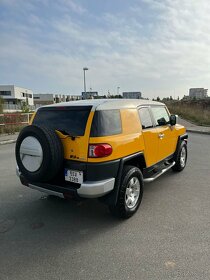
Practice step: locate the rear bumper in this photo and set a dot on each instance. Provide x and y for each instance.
(88, 189)
(96, 188)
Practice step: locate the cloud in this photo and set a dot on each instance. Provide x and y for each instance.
(73, 6)
(158, 48)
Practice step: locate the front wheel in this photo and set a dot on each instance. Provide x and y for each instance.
(182, 158)
(130, 193)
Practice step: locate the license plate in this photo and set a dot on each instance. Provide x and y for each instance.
(74, 176)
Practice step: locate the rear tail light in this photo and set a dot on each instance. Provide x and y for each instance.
(99, 150)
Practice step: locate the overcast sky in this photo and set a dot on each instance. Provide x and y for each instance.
(159, 47)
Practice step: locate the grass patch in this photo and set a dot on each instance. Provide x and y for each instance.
(196, 111)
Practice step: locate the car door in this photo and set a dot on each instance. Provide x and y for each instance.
(166, 133)
(149, 135)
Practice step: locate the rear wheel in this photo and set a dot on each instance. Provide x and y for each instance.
(130, 193)
(182, 158)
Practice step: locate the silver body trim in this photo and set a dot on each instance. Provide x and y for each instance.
(94, 189)
(107, 104)
(31, 153)
(151, 179)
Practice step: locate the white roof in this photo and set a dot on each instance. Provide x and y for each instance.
(108, 104)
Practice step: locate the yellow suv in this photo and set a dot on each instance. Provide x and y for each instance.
(102, 149)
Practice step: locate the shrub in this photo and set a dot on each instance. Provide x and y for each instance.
(1, 104)
(197, 111)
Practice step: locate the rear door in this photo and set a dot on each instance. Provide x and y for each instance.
(150, 136)
(166, 134)
(72, 124)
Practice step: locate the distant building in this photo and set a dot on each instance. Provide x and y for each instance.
(14, 95)
(198, 93)
(49, 98)
(89, 94)
(132, 95)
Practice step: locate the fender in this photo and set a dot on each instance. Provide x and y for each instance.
(111, 198)
(181, 138)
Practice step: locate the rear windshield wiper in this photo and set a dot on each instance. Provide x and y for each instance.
(64, 132)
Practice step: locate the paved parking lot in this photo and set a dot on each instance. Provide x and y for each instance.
(168, 238)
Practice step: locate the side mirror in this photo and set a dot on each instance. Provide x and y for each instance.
(162, 121)
(173, 119)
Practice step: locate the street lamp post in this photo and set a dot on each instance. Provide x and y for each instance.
(118, 90)
(85, 69)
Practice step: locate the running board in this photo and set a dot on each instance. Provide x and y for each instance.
(151, 179)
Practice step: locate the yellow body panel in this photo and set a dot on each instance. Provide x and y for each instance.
(77, 149)
(32, 118)
(167, 144)
(150, 146)
(132, 140)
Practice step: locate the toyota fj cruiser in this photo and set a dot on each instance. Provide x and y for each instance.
(102, 149)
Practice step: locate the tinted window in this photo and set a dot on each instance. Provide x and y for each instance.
(145, 117)
(70, 120)
(106, 123)
(4, 93)
(160, 113)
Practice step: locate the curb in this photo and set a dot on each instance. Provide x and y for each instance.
(198, 131)
(7, 142)
(208, 126)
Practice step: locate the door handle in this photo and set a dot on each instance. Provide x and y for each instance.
(161, 135)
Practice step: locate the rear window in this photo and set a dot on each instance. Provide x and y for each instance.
(106, 123)
(68, 120)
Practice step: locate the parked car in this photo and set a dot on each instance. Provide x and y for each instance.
(102, 149)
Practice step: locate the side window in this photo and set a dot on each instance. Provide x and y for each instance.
(145, 118)
(161, 116)
(106, 123)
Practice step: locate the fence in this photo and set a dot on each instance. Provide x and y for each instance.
(16, 107)
(10, 123)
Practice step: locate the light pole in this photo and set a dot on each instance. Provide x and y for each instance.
(118, 90)
(85, 69)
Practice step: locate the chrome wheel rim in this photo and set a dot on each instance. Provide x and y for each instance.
(183, 157)
(31, 154)
(132, 192)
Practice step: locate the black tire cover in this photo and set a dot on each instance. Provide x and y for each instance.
(52, 153)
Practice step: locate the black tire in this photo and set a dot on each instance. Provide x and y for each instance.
(121, 209)
(52, 150)
(180, 163)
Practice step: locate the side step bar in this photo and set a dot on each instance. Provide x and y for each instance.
(151, 179)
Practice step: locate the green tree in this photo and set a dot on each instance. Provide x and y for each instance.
(25, 107)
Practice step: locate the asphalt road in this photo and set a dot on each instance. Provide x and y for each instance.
(168, 238)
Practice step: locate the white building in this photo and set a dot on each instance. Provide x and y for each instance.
(14, 95)
(198, 93)
(132, 95)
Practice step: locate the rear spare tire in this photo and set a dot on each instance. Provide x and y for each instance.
(39, 153)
